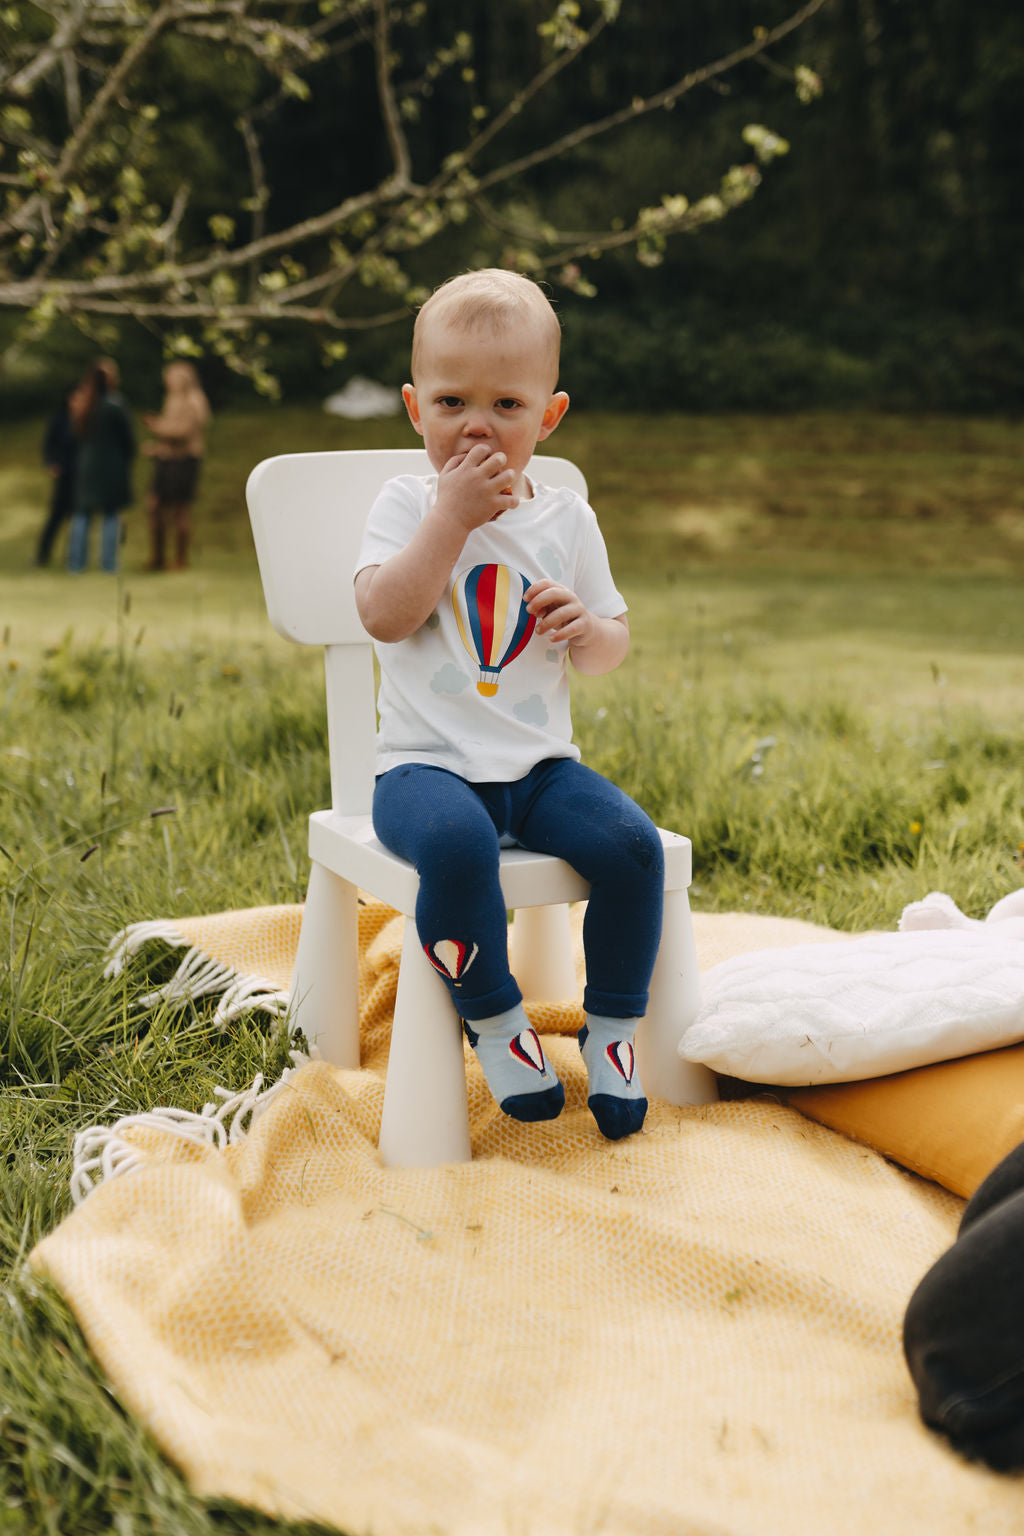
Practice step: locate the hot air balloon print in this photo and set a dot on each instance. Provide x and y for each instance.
(451, 957)
(620, 1054)
(492, 618)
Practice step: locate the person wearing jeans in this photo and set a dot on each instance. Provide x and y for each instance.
(103, 481)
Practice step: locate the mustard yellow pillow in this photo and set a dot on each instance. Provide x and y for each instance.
(952, 1122)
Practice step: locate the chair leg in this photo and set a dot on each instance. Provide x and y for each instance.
(674, 1001)
(540, 953)
(425, 1120)
(325, 983)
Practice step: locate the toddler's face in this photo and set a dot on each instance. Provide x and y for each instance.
(483, 386)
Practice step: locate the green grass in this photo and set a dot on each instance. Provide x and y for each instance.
(824, 692)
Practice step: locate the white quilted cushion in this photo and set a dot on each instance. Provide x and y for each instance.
(864, 1007)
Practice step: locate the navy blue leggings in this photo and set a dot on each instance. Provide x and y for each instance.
(450, 829)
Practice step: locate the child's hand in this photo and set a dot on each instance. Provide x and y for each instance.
(560, 614)
(474, 488)
(595, 645)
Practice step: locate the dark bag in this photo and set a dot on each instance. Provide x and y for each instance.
(963, 1333)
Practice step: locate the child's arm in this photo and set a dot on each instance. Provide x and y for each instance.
(595, 645)
(172, 426)
(395, 598)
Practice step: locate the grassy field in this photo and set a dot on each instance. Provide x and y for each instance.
(824, 692)
(741, 543)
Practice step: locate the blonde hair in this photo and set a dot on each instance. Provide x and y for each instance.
(494, 298)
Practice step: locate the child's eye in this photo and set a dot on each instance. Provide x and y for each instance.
(507, 403)
(449, 401)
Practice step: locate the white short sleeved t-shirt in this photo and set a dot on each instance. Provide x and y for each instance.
(475, 689)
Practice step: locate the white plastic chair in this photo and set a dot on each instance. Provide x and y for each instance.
(307, 512)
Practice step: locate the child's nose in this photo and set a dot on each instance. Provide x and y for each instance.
(477, 425)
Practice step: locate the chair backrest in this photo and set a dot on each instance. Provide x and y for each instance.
(307, 512)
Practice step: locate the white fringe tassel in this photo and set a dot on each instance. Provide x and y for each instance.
(196, 976)
(106, 1152)
(131, 939)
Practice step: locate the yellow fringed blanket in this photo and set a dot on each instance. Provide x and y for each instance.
(694, 1331)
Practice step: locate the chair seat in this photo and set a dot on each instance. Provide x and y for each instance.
(346, 845)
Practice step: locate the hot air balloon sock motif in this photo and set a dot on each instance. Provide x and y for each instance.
(616, 1097)
(510, 1053)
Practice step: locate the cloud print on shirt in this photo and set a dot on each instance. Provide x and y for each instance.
(449, 679)
(549, 562)
(531, 711)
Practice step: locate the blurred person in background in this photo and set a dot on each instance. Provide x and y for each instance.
(106, 448)
(177, 448)
(60, 456)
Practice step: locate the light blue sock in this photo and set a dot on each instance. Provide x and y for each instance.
(509, 1050)
(616, 1097)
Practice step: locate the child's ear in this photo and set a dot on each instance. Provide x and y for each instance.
(411, 405)
(556, 409)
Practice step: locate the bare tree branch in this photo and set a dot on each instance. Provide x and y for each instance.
(260, 194)
(48, 57)
(169, 228)
(191, 272)
(401, 178)
(655, 103)
(242, 315)
(522, 99)
(72, 90)
(79, 140)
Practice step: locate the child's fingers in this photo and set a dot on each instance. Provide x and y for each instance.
(481, 454)
(545, 588)
(558, 616)
(550, 600)
(474, 457)
(570, 630)
(496, 468)
(493, 465)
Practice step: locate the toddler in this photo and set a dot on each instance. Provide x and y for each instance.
(478, 585)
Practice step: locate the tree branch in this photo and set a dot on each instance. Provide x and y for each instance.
(76, 145)
(28, 292)
(169, 228)
(238, 316)
(529, 91)
(90, 201)
(659, 100)
(401, 178)
(260, 192)
(47, 58)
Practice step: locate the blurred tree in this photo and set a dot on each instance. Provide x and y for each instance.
(881, 262)
(156, 161)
